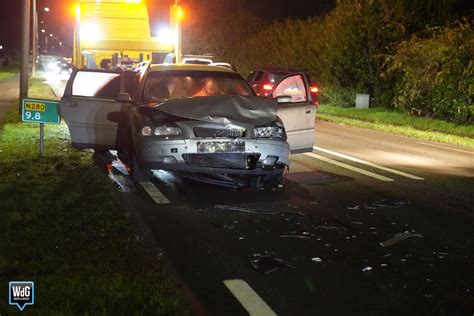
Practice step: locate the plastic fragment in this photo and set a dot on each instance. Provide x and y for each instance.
(295, 236)
(328, 227)
(316, 259)
(390, 203)
(366, 269)
(399, 237)
(356, 207)
(247, 210)
(267, 264)
(383, 264)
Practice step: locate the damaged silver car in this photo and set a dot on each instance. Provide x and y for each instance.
(204, 122)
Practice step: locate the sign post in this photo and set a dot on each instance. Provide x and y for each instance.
(42, 112)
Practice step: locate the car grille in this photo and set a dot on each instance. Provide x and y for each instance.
(230, 161)
(218, 132)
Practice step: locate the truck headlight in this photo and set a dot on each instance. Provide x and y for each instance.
(272, 130)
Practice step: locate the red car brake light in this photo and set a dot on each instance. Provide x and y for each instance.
(267, 87)
(314, 89)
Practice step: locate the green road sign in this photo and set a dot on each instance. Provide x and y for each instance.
(40, 111)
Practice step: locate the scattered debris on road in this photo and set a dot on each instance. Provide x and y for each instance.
(326, 227)
(390, 203)
(250, 211)
(295, 236)
(316, 259)
(367, 269)
(268, 263)
(399, 237)
(224, 226)
(356, 207)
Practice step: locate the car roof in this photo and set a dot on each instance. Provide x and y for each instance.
(193, 67)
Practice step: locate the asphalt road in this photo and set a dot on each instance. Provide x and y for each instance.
(326, 226)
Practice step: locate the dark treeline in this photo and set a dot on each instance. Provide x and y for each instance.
(414, 55)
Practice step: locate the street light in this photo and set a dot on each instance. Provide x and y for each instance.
(46, 9)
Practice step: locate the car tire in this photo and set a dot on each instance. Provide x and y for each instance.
(138, 173)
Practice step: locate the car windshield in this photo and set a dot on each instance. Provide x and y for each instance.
(168, 85)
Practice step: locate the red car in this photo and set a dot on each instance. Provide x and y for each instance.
(263, 80)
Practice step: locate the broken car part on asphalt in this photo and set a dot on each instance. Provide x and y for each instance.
(400, 237)
(268, 263)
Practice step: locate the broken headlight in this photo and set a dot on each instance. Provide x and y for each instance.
(167, 131)
(161, 131)
(272, 130)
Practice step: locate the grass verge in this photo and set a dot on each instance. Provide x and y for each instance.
(63, 228)
(10, 71)
(5, 75)
(399, 123)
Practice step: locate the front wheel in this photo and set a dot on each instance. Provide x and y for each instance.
(138, 173)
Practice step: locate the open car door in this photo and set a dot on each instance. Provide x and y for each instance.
(297, 112)
(88, 98)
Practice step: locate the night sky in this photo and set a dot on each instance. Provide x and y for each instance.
(59, 20)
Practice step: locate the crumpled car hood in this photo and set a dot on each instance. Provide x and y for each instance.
(251, 110)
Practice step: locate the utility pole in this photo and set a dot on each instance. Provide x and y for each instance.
(77, 38)
(25, 49)
(176, 21)
(34, 39)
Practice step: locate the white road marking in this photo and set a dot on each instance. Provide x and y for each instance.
(249, 299)
(352, 168)
(401, 173)
(154, 193)
(449, 148)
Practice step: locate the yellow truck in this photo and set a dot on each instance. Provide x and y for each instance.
(116, 33)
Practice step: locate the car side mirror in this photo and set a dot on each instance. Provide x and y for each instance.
(282, 99)
(123, 97)
(115, 117)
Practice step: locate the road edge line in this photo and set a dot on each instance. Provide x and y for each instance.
(248, 298)
(154, 193)
(368, 163)
(349, 167)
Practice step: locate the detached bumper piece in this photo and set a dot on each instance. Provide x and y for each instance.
(223, 160)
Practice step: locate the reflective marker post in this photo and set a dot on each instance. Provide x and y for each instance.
(42, 112)
(41, 140)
